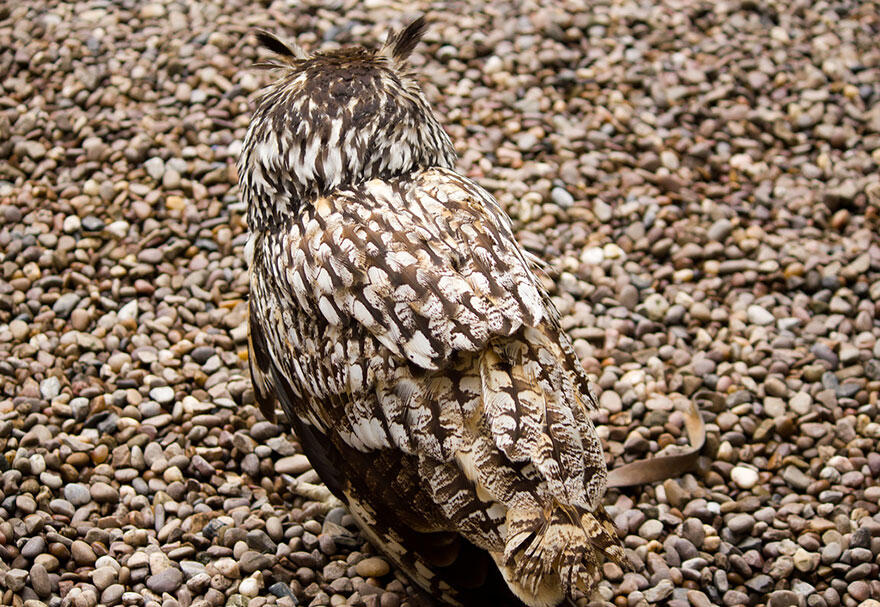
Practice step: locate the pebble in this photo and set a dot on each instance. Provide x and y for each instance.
(103, 493)
(744, 477)
(651, 529)
(82, 553)
(167, 580)
(112, 594)
(162, 394)
(562, 197)
(720, 230)
(795, 478)
(373, 566)
(760, 316)
(103, 577)
(784, 598)
(800, 403)
(50, 388)
(65, 304)
(40, 581)
(90, 223)
(657, 593)
(741, 523)
(77, 494)
(15, 579)
(294, 464)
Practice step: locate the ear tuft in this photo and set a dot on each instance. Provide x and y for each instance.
(274, 44)
(401, 45)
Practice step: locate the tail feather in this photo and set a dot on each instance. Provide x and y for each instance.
(550, 556)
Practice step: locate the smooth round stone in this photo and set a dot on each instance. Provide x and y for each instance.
(82, 553)
(720, 230)
(33, 547)
(162, 394)
(103, 577)
(167, 580)
(783, 598)
(744, 477)
(741, 523)
(71, 224)
(249, 587)
(191, 568)
(610, 401)
(49, 561)
(104, 493)
(663, 589)
(561, 197)
(805, 561)
(40, 581)
(759, 316)
(254, 561)
(112, 594)
(38, 464)
(859, 590)
(77, 494)
(651, 529)
(26, 504)
(292, 464)
(374, 566)
(90, 223)
(775, 387)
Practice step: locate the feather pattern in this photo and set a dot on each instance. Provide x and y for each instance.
(403, 331)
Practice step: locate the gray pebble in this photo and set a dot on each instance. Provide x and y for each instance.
(50, 387)
(90, 223)
(784, 598)
(167, 580)
(562, 197)
(720, 230)
(741, 523)
(77, 494)
(40, 581)
(33, 547)
(15, 579)
(112, 594)
(795, 478)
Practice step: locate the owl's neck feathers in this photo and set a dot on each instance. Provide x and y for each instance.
(336, 120)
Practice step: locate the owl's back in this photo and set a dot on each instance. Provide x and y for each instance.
(426, 374)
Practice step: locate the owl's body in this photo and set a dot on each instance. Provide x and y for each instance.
(410, 344)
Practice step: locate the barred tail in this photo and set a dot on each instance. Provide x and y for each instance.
(548, 558)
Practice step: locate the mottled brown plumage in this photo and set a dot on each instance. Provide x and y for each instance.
(403, 331)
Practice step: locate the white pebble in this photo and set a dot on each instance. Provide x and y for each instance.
(128, 312)
(656, 306)
(71, 224)
(593, 256)
(745, 478)
(249, 587)
(759, 316)
(50, 387)
(162, 394)
(801, 403)
(155, 167)
(38, 464)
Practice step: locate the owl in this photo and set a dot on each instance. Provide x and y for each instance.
(402, 330)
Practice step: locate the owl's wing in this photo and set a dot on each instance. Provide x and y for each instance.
(386, 491)
(431, 337)
(428, 267)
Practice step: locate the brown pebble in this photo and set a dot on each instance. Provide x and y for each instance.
(374, 566)
(40, 581)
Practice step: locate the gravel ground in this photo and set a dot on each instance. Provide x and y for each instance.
(702, 178)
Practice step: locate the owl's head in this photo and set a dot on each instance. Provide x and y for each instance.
(336, 119)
